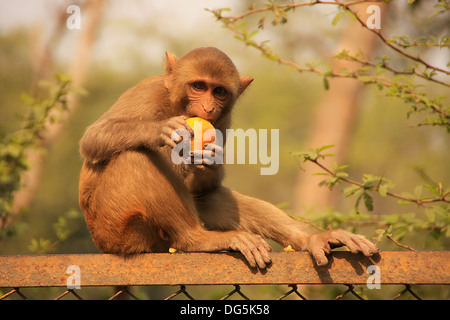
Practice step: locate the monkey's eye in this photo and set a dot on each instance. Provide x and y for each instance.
(199, 85)
(220, 91)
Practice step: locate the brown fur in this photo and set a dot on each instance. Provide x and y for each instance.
(136, 200)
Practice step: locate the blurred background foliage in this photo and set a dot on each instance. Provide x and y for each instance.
(128, 44)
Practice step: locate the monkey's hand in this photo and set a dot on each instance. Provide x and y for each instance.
(254, 248)
(212, 154)
(173, 130)
(320, 244)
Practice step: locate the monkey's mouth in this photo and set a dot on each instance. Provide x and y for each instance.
(210, 119)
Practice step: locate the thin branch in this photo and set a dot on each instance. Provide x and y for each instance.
(390, 45)
(290, 6)
(399, 89)
(399, 244)
(391, 194)
(394, 71)
(346, 6)
(374, 80)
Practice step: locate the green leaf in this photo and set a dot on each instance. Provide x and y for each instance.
(325, 147)
(418, 192)
(351, 15)
(380, 234)
(404, 202)
(365, 79)
(61, 229)
(368, 201)
(320, 174)
(63, 78)
(337, 18)
(39, 246)
(326, 84)
(342, 174)
(253, 34)
(323, 183)
(25, 97)
(358, 200)
(349, 191)
(382, 190)
(261, 23)
(341, 168)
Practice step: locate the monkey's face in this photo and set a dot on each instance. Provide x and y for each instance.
(203, 83)
(207, 99)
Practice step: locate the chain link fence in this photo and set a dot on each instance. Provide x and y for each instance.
(237, 293)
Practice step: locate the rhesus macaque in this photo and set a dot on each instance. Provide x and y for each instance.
(136, 200)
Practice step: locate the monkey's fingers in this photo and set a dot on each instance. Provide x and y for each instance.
(319, 251)
(178, 123)
(204, 157)
(257, 257)
(254, 248)
(215, 148)
(211, 154)
(169, 141)
(182, 124)
(355, 243)
(260, 252)
(209, 157)
(197, 157)
(365, 246)
(321, 243)
(175, 137)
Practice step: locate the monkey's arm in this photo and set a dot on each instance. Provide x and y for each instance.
(237, 211)
(109, 136)
(141, 117)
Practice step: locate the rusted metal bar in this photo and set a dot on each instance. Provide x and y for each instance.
(426, 267)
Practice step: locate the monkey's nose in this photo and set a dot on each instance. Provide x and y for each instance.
(208, 109)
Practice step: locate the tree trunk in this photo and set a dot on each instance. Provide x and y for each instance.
(335, 115)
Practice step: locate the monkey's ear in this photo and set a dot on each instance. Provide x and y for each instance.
(245, 82)
(171, 61)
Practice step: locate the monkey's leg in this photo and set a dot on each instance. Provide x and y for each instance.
(113, 198)
(140, 205)
(226, 209)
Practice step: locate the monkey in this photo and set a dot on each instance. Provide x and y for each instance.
(136, 200)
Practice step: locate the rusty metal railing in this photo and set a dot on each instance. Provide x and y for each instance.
(292, 269)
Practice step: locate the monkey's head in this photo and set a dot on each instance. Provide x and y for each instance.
(203, 83)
